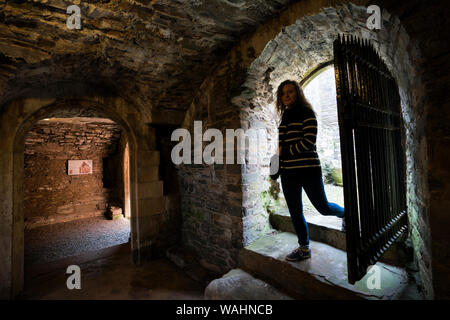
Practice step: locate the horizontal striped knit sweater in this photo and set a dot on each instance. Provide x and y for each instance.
(297, 135)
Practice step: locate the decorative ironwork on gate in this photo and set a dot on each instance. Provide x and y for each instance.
(373, 162)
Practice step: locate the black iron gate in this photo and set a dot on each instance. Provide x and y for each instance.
(373, 162)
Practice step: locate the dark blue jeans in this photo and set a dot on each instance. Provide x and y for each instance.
(311, 180)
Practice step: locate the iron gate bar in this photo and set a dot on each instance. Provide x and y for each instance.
(363, 182)
(372, 153)
(342, 92)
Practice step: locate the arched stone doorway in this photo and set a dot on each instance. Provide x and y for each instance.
(69, 212)
(292, 46)
(306, 46)
(22, 115)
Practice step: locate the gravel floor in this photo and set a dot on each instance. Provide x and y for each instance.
(54, 242)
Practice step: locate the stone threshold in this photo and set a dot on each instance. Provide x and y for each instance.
(321, 230)
(324, 276)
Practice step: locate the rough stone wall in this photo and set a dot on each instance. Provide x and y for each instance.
(428, 25)
(51, 195)
(113, 172)
(211, 195)
(427, 135)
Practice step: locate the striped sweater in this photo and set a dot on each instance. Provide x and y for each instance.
(297, 136)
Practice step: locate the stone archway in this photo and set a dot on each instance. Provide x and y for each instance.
(306, 45)
(238, 94)
(18, 118)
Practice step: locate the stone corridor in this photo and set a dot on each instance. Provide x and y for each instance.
(87, 115)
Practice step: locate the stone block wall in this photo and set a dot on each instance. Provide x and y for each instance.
(113, 172)
(170, 225)
(212, 195)
(223, 204)
(159, 219)
(428, 176)
(51, 195)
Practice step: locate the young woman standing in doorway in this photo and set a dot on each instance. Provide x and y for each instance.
(299, 163)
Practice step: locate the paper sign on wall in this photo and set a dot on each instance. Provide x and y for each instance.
(76, 167)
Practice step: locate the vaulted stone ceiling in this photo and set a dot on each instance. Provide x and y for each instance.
(154, 52)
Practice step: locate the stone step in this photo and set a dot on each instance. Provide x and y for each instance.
(321, 230)
(240, 285)
(324, 276)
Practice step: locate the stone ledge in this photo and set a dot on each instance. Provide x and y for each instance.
(395, 255)
(330, 236)
(324, 276)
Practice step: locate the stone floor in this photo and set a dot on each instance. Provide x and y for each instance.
(61, 240)
(110, 274)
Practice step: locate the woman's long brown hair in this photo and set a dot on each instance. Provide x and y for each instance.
(301, 99)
